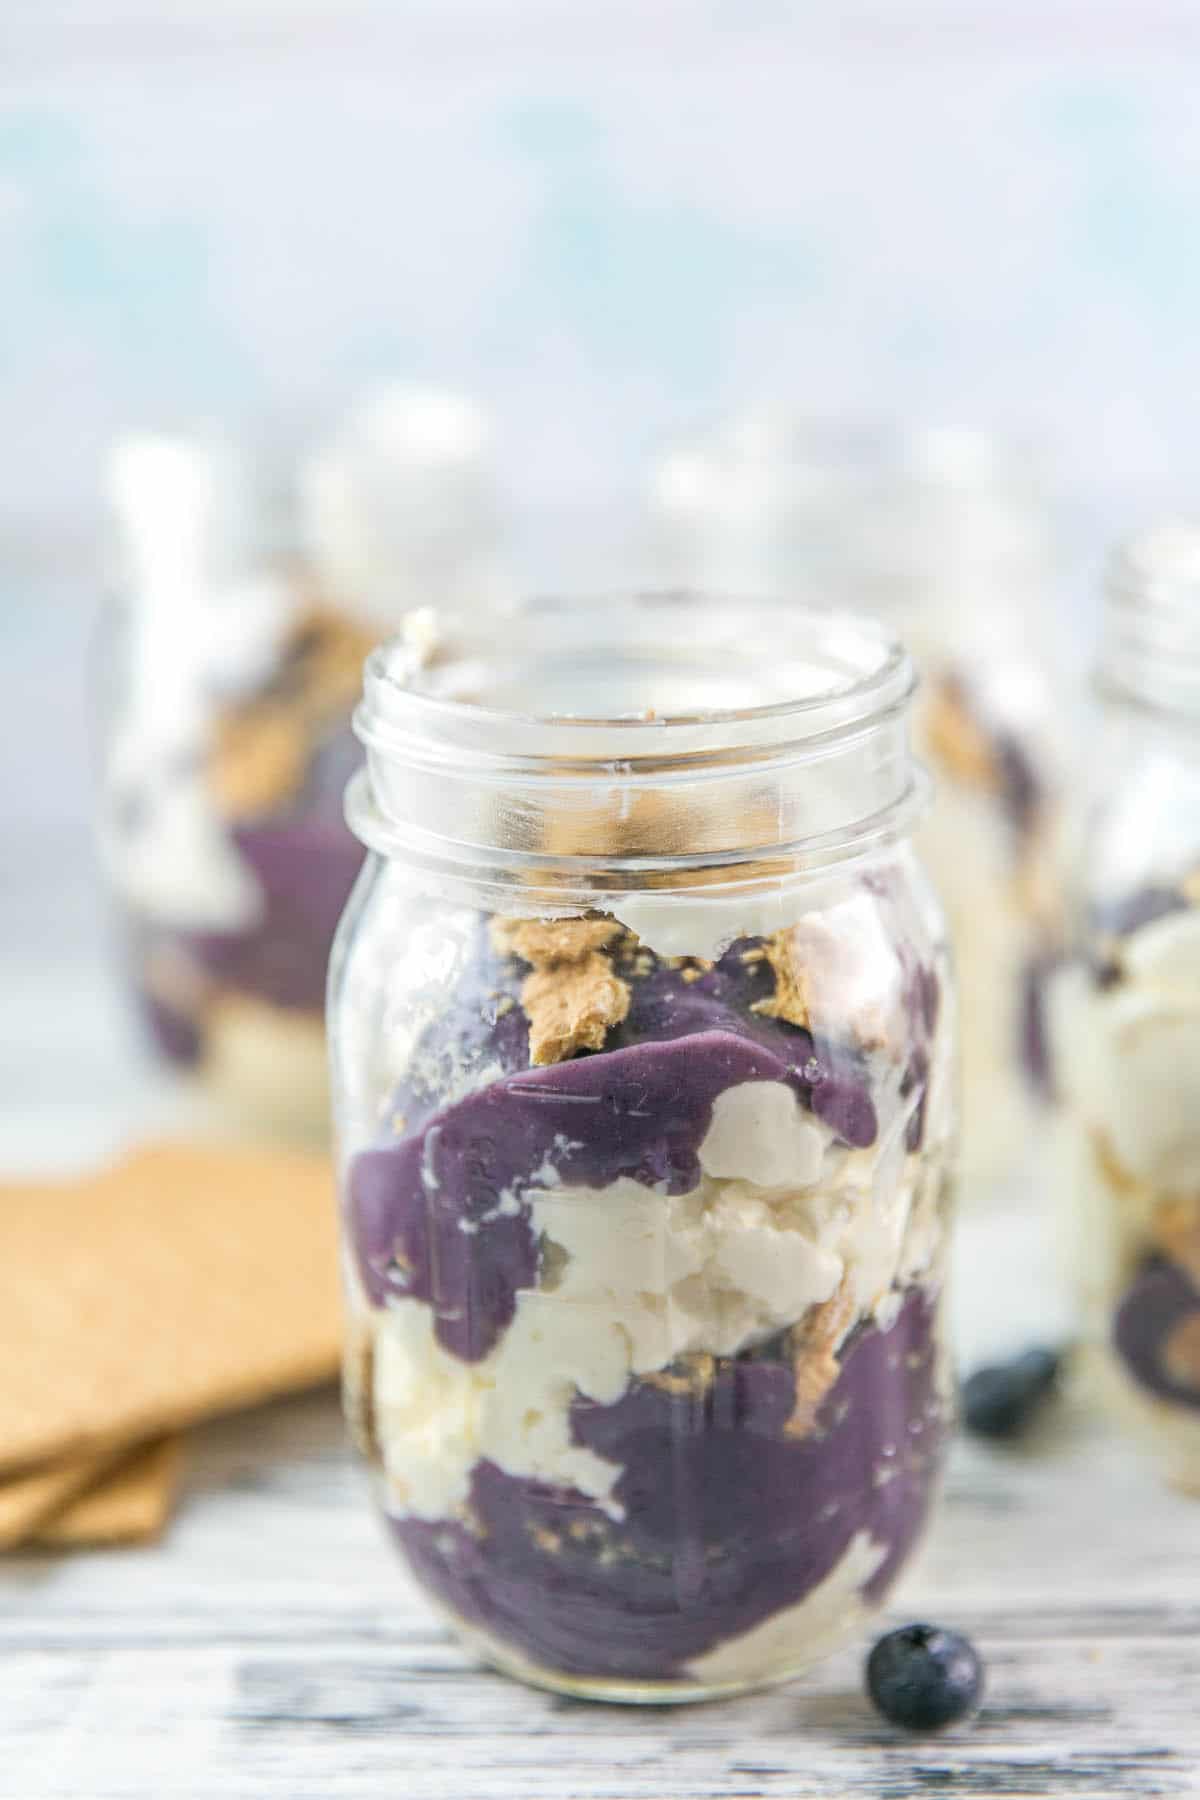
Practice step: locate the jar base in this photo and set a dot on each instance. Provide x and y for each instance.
(614, 1692)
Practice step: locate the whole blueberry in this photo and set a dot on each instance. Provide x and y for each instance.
(921, 1677)
(1000, 1400)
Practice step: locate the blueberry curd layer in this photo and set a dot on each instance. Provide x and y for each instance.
(272, 778)
(727, 1519)
(646, 1273)
(1134, 1010)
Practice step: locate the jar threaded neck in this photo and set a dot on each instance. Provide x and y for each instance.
(1150, 639)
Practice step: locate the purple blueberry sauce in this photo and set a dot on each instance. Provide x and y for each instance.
(1158, 1300)
(305, 861)
(425, 1209)
(728, 1516)
(727, 1519)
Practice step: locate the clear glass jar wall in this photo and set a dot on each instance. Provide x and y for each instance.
(232, 663)
(229, 687)
(1127, 1013)
(947, 538)
(643, 1067)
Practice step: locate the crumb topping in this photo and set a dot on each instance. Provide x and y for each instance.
(649, 822)
(573, 997)
(321, 674)
(790, 1000)
(572, 1006)
(1111, 1167)
(257, 761)
(1175, 1228)
(545, 942)
(814, 1356)
(261, 747)
(957, 741)
(1181, 1352)
(358, 1391)
(692, 1374)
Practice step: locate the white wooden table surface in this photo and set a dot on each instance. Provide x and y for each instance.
(270, 1647)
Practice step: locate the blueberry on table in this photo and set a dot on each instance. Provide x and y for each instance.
(1000, 1400)
(922, 1678)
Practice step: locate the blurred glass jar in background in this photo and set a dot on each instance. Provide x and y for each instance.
(1127, 1013)
(942, 537)
(232, 666)
(643, 1067)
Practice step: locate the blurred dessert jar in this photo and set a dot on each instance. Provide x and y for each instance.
(231, 668)
(643, 1067)
(1127, 1013)
(940, 535)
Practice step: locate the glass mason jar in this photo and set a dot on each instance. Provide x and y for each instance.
(940, 534)
(643, 1073)
(1127, 1013)
(234, 665)
(229, 686)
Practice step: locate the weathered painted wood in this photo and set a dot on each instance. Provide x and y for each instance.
(271, 1648)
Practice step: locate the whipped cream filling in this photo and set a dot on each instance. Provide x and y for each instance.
(195, 627)
(815, 1625)
(966, 845)
(640, 1278)
(1129, 1052)
(677, 924)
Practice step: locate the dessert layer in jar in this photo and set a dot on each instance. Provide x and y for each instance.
(234, 864)
(645, 1268)
(991, 845)
(1127, 1031)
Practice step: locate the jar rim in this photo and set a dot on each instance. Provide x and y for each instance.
(883, 679)
(789, 741)
(1149, 654)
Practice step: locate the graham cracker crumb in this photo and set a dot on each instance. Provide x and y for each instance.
(358, 1389)
(325, 675)
(1181, 1352)
(572, 1006)
(790, 1001)
(649, 822)
(1110, 1165)
(1175, 1228)
(956, 741)
(814, 1360)
(545, 942)
(573, 996)
(257, 761)
(691, 1374)
(262, 746)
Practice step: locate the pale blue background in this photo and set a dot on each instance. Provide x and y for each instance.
(605, 220)
(601, 217)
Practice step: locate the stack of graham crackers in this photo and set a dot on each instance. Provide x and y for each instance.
(183, 1282)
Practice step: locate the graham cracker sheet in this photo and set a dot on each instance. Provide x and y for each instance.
(184, 1281)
